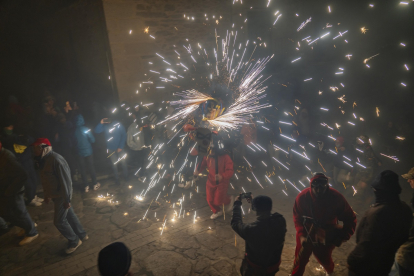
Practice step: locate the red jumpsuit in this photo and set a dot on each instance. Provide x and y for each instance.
(217, 194)
(327, 211)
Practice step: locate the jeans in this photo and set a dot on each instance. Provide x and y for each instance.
(402, 271)
(67, 222)
(83, 162)
(18, 216)
(31, 183)
(114, 158)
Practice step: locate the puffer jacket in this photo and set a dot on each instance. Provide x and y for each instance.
(84, 137)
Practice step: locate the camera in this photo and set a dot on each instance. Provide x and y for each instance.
(246, 195)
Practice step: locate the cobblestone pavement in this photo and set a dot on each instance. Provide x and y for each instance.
(186, 247)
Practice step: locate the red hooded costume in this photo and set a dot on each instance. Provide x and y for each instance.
(217, 193)
(327, 211)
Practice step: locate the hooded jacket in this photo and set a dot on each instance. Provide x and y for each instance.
(264, 238)
(225, 169)
(115, 135)
(135, 137)
(383, 229)
(328, 210)
(84, 137)
(12, 180)
(55, 176)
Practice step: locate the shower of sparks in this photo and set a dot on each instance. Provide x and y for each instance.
(394, 158)
(304, 24)
(364, 30)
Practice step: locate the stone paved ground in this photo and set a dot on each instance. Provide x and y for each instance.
(203, 247)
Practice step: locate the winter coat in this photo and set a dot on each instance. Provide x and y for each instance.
(383, 229)
(8, 140)
(12, 180)
(115, 135)
(264, 238)
(55, 176)
(405, 255)
(84, 137)
(135, 137)
(327, 211)
(225, 169)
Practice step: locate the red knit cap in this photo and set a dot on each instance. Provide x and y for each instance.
(41, 141)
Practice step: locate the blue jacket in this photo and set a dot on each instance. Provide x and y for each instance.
(84, 137)
(115, 135)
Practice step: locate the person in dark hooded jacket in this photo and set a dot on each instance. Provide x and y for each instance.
(57, 186)
(84, 141)
(383, 229)
(323, 207)
(264, 238)
(12, 207)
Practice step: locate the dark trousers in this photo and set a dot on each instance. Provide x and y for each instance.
(247, 270)
(138, 158)
(31, 184)
(17, 215)
(87, 161)
(67, 223)
(402, 271)
(114, 158)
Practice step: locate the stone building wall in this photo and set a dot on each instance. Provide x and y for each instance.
(132, 48)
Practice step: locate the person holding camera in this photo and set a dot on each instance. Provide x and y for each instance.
(116, 137)
(316, 213)
(264, 238)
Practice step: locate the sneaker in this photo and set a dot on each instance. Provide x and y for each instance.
(181, 185)
(27, 240)
(85, 238)
(22, 233)
(216, 215)
(187, 185)
(70, 250)
(87, 189)
(38, 199)
(35, 203)
(330, 274)
(96, 186)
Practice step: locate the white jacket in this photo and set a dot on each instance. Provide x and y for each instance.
(135, 137)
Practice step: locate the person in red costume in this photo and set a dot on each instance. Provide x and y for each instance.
(218, 178)
(323, 207)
